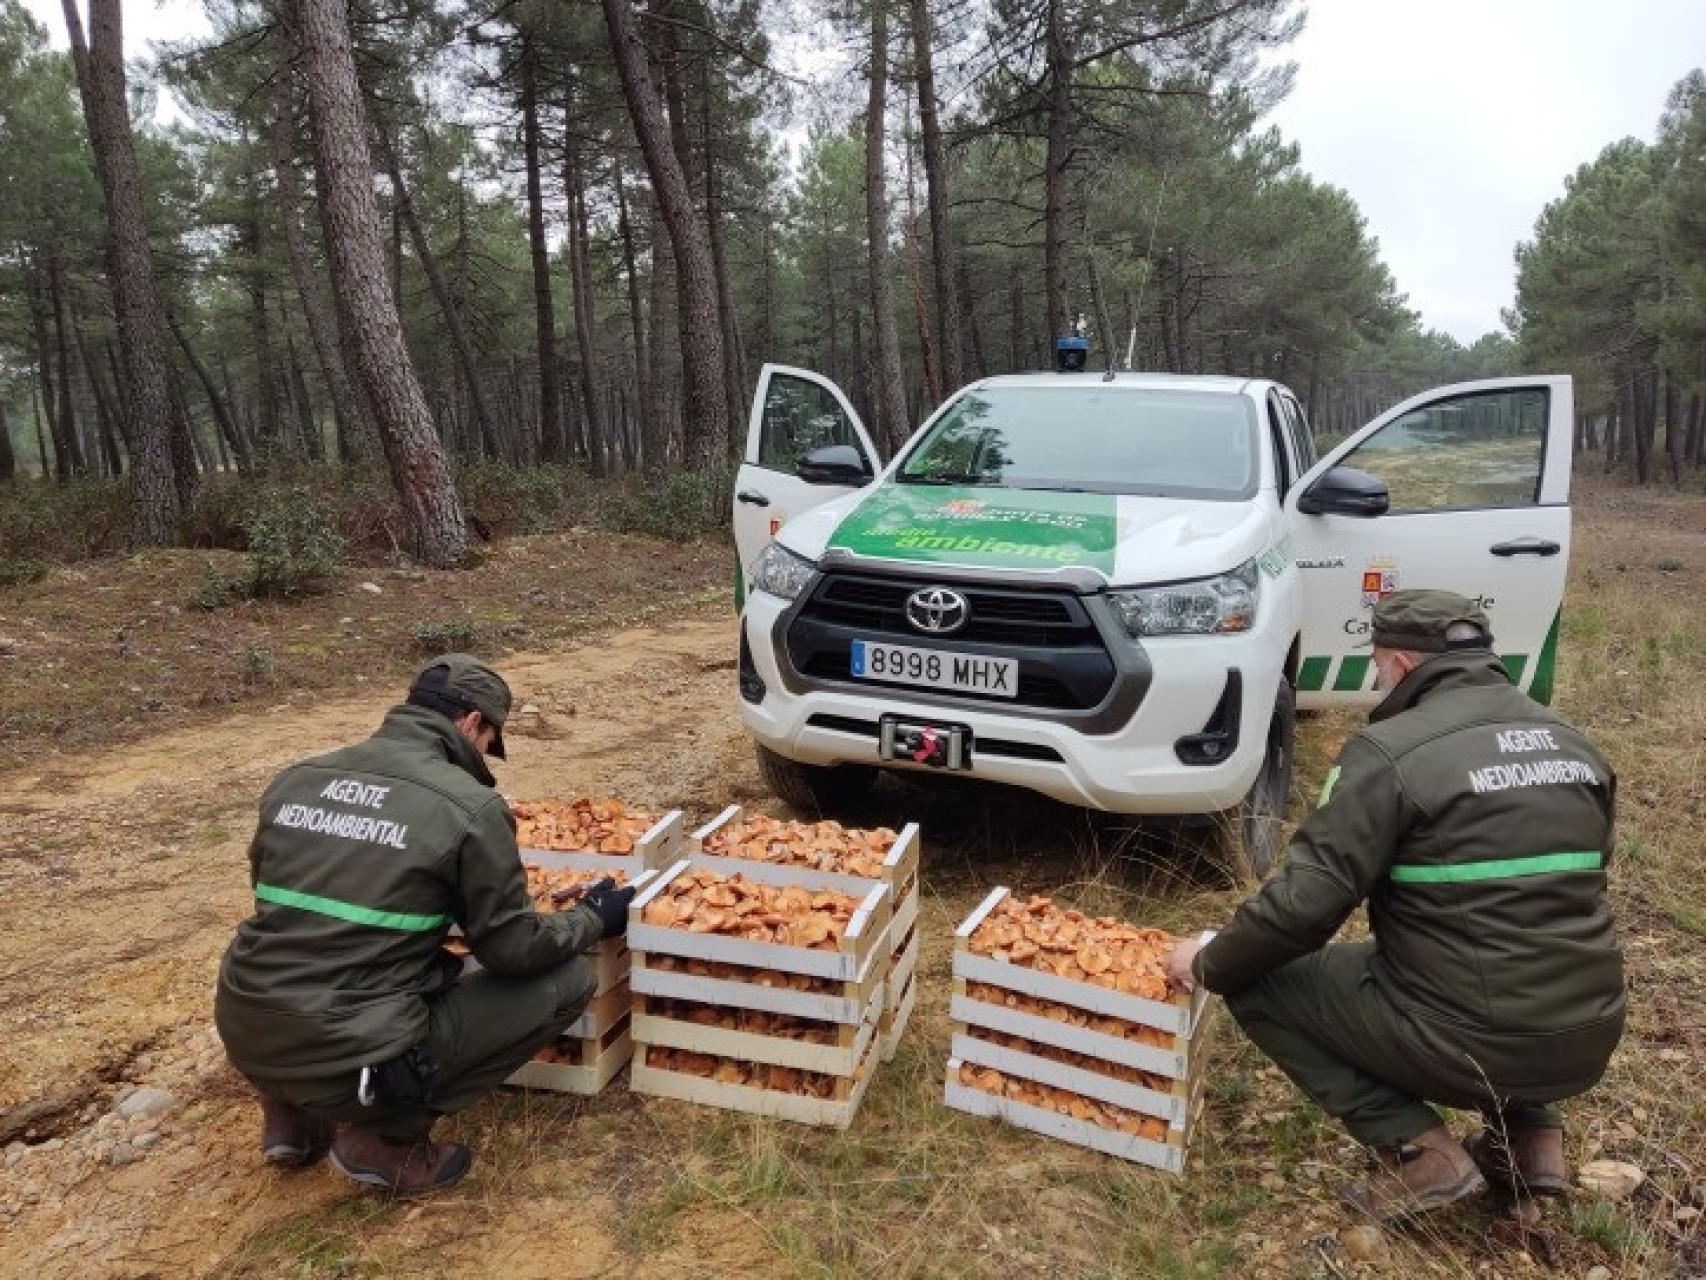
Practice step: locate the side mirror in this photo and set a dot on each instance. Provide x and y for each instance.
(1345, 491)
(834, 464)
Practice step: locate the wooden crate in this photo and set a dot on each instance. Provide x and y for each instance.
(659, 847)
(899, 866)
(837, 1112)
(861, 946)
(1168, 1025)
(1173, 1046)
(896, 1018)
(899, 870)
(597, 1061)
(1169, 1155)
(851, 987)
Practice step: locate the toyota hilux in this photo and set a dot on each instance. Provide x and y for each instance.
(1117, 590)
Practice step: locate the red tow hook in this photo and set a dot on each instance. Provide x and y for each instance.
(928, 745)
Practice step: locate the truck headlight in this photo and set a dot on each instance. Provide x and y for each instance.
(1207, 607)
(779, 572)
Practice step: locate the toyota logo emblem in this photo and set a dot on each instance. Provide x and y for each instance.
(937, 610)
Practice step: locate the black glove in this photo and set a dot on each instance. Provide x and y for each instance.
(610, 905)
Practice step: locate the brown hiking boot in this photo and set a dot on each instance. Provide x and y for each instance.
(291, 1137)
(1428, 1172)
(403, 1168)
(1524, 1161)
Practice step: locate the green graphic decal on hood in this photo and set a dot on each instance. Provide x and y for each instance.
(983, 528)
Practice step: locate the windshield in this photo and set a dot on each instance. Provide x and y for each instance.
(1168, 444)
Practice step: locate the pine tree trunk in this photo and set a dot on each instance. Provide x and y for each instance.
(355, 432)
(662, 433)
(599, 446)
(260, 335)
(636, 309)
(350, 215)
(60, 469)
(732, 377)
(544, 318)
(112, 423)
(8, 462)
(65, 419)
(1057, 155)
(307, 430)
(38, 405)
(461, 343)
(926, 346)
(221, 410)
(157, 430)
(890, 398)
(1673, 427)
(706, 409)
(948, 312)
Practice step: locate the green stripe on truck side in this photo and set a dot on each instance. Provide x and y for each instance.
(1352, 672)
(1312, 673)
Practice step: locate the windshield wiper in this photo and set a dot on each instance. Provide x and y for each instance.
(949, 479)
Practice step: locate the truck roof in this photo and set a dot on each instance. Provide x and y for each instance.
(1128, 381)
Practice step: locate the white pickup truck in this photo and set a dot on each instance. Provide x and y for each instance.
(1117, 591)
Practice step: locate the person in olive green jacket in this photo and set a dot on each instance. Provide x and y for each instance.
(1477, 826)
(336, 998)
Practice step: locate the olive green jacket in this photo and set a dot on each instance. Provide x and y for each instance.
(362, 861)
(1477, 826)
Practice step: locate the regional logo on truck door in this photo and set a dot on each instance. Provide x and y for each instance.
(1379, 580)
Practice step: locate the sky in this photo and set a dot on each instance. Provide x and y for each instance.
(1450, 122)
(1453, 122)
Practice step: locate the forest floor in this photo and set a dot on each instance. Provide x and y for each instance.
(138, 734)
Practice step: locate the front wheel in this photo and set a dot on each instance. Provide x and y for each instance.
(814, 788)
(1249, 837)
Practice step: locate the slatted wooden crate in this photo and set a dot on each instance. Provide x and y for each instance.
(899, 870)
(659, 847)
(595, 1048)
(676, 970)
(1142, 1056)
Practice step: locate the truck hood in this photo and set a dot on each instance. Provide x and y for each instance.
(1127, 540)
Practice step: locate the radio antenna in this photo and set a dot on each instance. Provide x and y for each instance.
(1148, 257)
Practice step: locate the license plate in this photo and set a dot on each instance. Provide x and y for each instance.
(935, 668)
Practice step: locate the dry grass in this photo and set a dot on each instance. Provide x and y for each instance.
(917, 1190)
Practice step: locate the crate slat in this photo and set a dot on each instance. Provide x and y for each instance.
(1080, 1133)
(830, 1113)
(564, 1077)
(754, 1046)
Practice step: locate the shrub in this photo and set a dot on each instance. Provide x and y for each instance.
(294, 545)
(501, 501)
(456, 636)
(680, 505)
(64, 522)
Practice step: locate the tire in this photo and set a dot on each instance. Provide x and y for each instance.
(812, 788)
(1250, 836)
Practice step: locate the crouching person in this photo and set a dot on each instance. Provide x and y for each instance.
(336, 999)
(1477, 826)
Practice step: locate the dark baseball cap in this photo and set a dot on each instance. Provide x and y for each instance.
(462, 683)
(1418, 621)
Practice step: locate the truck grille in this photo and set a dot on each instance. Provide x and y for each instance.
(1063, 664)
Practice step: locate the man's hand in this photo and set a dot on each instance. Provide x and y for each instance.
(610, 905)
(1178, 962)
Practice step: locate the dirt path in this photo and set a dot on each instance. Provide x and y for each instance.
(122, 875)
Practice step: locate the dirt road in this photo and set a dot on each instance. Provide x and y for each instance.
(122, 874)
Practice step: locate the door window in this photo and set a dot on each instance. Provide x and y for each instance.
(1284, 468)
(1478, 450)
(1302, 442)
(799, 416)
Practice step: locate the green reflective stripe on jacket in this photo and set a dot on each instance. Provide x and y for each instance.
(349, 911)
(1497, 868)
(1327, 786)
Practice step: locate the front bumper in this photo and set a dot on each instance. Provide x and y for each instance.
(1120, 758)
